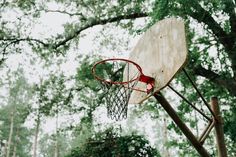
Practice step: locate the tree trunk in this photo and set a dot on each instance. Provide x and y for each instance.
(56, 153)
(56, 148)
(165, 138)
(10, 135)
(14, 151)
(16, 142)
(4, 149)
(36, 136)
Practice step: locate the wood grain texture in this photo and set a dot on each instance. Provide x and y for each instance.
(161, 52)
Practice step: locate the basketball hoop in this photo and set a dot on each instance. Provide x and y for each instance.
(118, 87)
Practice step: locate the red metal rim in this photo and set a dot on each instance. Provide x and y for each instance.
(116, 59)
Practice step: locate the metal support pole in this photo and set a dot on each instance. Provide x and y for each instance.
(199, 111)
(206, 132)
(222, 152)
(199, 93)
(165, 104)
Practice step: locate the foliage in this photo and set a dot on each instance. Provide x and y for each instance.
(14, 114)
(90, 94)
(230, 124)
(48, 142)
(53, 95)
(109, 144)
(210, 57)
(211, 39)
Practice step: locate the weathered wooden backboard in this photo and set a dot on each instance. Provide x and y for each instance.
(160, 52)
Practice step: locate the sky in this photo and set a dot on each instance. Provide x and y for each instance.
(89, 44)
(50, 24)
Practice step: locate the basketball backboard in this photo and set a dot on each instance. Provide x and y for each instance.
(160, 52)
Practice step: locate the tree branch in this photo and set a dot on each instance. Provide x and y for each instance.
(228, 83)
(230, 10)
(201, 15)
(64, 12)
(12, 41)
(227, 40)
(15, 40)
(95, 22)
(3, 3)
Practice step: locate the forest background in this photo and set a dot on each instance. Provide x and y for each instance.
(50, 103)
